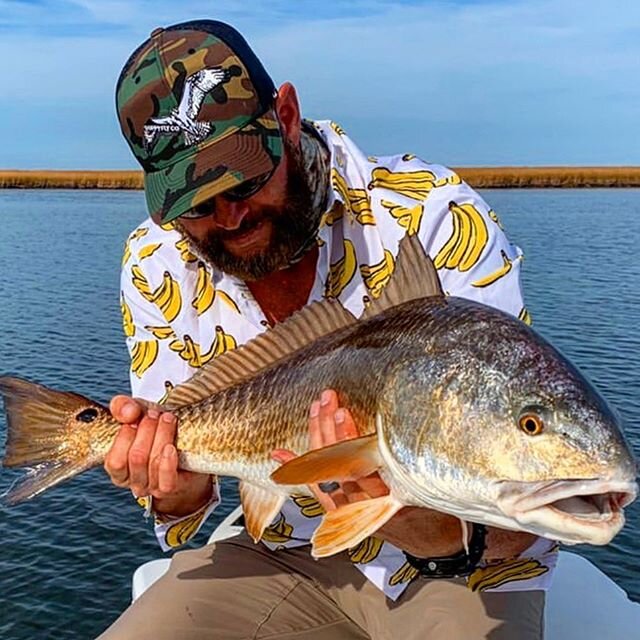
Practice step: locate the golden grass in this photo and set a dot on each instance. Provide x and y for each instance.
(481, 177)
(551, 177)
(70, 179)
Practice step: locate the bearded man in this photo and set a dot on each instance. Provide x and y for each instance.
(254, 214)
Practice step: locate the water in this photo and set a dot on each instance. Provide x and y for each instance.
(67, 557)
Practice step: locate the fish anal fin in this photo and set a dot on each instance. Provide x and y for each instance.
(346, 460)
(414, 277)
(349, 525)
(260, 506)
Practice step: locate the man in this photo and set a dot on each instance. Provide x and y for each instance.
(255, 213)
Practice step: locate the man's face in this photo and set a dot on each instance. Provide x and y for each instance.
(254, 237)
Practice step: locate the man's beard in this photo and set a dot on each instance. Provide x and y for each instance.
(293, 228)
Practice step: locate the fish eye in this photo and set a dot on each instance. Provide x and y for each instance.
(88, 415)
(531, 423)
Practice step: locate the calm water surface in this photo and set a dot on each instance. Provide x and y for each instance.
(67, 557)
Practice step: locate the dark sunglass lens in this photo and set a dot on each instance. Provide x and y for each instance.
(247, 188)
(200, 210)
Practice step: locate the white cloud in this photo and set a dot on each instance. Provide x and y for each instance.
(538, 81)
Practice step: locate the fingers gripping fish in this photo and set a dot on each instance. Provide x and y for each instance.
(461, 408)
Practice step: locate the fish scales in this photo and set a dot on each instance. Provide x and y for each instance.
(461, 407)
(270, 411)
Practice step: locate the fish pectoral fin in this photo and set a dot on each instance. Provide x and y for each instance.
(346, 460)
(260, 506)
(349, 525)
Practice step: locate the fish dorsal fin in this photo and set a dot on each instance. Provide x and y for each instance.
(303, 327)
(414, 277)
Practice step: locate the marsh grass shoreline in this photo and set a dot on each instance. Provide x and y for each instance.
(479, 177)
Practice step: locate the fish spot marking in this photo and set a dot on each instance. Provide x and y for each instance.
(88, 415)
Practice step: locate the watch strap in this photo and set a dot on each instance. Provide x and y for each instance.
(454, 566)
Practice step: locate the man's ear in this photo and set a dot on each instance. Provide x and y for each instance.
(288, 111)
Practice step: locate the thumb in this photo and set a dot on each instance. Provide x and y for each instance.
(282, 455)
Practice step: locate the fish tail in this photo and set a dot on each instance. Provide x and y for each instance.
(57, 434)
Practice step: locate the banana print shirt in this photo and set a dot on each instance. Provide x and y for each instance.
(179, 313)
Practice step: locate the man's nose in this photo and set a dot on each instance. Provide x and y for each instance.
(229, 215)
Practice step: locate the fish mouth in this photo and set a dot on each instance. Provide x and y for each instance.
(572, 511)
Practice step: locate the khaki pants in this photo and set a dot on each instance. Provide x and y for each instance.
(235, 590)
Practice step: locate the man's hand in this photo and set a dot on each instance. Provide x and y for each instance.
(328, 424)
(421, 531)
(143, 458)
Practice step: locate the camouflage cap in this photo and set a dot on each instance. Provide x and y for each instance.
(196, 107)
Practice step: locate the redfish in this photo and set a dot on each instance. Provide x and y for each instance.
(461, 408)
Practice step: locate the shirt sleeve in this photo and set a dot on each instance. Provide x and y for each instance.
(470, 249)
(155, 370)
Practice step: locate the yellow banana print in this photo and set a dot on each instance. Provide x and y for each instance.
(168, 226)
(407, 157)
(205, 292)
(139, 233)
(168, 388)
(148, 250)
(372, 159)
(185, 253)
(309, 507)
(377, 276)
(468, 239)
(161, 333)
(356, 200)
(341, 272)
(141, 283)
(525, 316)
(406, 573)
(279, 532)
(126, 253)
(136, 235)
(188, 350)
(465, 230)
(143, 501)
(408, 219)
(333, 215)
(497, 274)
(450, 244)
(477, 241)
(493, 576)
(224, 342)
(412, 184)
(492, 214)
(228, 300)
(180, 532)
(168, 298)
(143, 355)
(453, 179)
(367, 551)
(127, 318)
(337, 128)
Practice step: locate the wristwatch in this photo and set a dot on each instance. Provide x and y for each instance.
(455, 566)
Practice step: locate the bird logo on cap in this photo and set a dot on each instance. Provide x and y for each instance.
(182, 118)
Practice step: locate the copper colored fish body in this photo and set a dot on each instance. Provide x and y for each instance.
(460, 407)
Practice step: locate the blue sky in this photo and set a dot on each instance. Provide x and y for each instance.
(537, 82)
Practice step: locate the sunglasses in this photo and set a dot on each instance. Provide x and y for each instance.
(243, 191)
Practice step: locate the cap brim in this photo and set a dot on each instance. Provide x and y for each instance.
(213, 168)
